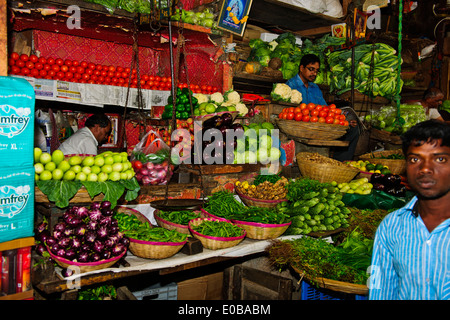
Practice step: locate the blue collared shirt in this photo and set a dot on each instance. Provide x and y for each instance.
(311, 94)
(409, 262)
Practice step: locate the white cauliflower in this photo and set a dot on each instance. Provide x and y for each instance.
(201, 97)
(272, 45)
(216, 98)
(296, 96)
(228, 104)
(242, 108)
(281, 91)
(232, 96)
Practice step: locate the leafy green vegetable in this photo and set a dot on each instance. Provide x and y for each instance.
(59, 191)
(446, 106)
(319, 258)
(105, 292)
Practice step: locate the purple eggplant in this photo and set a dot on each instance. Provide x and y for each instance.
(94, 257)
(98, 246)
(109, 243)
(66, 272)
(50, 241)
(85, 247)
(57, 234)
(102, 232)
(60, 226)
(76, 243)
(61, 252)
(90, 236)
(125, 241)
(80, 230)
(227, 119)
(70, 254)
(43, 236)
(40, 248)
(95, 214)
(106, 254)
(105, 205)
(118, 249)
(92, 225)
(64, 242)
(83, 256)
(41, 227)
(105, 221)
(82, 212)
(95, 205)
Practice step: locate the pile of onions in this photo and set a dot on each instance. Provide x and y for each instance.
(154, 173)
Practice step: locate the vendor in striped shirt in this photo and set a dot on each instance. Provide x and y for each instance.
(411, 253)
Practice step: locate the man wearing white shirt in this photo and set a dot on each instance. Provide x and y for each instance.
(431, 101)
(87, 139)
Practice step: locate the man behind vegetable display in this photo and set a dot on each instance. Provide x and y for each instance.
(411, 253)
(431, 101)
(311, 93)
(87, 139)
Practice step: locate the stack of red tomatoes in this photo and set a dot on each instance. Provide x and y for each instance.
(314, 113)
(88, 72)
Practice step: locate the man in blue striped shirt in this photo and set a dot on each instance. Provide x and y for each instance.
(411, 254)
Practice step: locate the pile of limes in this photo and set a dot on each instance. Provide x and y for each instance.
(105, 166)
(367, 166)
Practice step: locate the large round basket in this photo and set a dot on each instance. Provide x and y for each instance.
(262, 231)
(338, 286)
(182, 228)
(311, 130)
(396, 166)
(86, 266)
(326, 170)
(214, 243)
(249, 201)
(154, 249)
(205, 117)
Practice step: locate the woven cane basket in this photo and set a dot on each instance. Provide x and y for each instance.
(311, 130)
(324, 169)
(261, 231)
(86, 266)
(396, 166)
(154, 249)
(214, 243)
(250, 201)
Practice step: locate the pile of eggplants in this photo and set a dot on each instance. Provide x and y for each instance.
(389, 183)
(83, 234)
(223, 123)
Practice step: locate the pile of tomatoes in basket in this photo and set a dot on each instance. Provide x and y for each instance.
(314, 113)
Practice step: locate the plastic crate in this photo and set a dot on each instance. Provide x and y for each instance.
(158, 292)
(309, 292)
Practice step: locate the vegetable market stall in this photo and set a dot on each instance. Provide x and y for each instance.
(178, 262)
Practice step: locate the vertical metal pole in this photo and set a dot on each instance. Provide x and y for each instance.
(3, 39)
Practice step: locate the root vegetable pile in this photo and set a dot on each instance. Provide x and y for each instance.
(266, 190)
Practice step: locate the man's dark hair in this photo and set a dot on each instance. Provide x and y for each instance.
(426, 131)
(308, 59)
(99, 118)
(431, 93)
